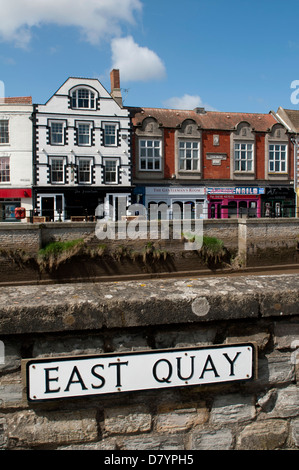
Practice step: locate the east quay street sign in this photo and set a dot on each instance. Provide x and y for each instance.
(81, 376)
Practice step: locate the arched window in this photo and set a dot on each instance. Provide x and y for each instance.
(83, 98)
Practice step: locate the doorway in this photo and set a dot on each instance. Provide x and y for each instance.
(47, 207)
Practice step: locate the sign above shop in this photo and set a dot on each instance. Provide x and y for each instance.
(242, 191)
(174, 191)
(70, 377)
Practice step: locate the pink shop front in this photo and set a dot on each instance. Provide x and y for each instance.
(226, 203)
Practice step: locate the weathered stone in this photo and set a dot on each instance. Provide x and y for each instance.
(281, 369)
(295, 431)
(69, 346)
(185, 337)
(263, 435)
(232, 408)
(12, 357)
(3, 435)
(152, 442)
(127, 420)
(105, 444)
(181, 419)
(52, 427)
(249, 335)
(286, 335)
(287, 402)
(212, 440)
(80, 306)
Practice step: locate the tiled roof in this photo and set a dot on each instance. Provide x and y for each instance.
(291, 116)
(172, 118)
(16, 100)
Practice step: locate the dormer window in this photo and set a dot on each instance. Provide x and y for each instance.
(83, 98)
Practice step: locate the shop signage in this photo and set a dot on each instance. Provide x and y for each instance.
(246, 191)
(70, 377)
(174, 191)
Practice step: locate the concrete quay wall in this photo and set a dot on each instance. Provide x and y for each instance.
(115, 317)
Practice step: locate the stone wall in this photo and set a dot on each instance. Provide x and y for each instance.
(79, 319)
(254, 238)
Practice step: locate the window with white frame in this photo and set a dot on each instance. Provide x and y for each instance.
(110, 171)
(4, 131)
(83, 98)
(56, 133)
(57, 170)
(4, 170)
(150, 155)
(188, 155)
(243, 156)
(110, 134)
(277, 158)
(84, 170)
(84, 133)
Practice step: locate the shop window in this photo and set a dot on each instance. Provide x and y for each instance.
(232, 209)
(242, 209)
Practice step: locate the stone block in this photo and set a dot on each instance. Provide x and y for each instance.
(212, 440)
(32, 429)
(263, 435)
(229, 409)
(123, 420)
(181, 418)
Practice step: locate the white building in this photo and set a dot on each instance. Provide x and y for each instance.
(82, 151)
(15, 157)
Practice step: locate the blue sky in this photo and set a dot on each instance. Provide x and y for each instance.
(223, 55)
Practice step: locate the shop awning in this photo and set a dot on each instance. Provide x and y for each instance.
(14, 193)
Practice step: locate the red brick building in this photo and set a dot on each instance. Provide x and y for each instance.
(219, 164)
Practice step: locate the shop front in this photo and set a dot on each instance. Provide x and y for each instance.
(80, 204)
(279, 202)
(230, 202)
(185, 202)
(10, 200)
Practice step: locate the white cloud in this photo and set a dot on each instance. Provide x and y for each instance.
(187, 102)
(96, 19)
(135, 62)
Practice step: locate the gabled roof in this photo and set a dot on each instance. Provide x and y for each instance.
(290, 117)
(172, 118)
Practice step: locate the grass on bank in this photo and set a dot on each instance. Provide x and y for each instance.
(57, 252)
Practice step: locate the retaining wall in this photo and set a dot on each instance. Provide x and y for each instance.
(257, 240)
(80, 319)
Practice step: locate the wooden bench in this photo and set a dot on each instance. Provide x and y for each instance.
(36, 219)
(78, 218)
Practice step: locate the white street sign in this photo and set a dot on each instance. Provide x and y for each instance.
(69, 377)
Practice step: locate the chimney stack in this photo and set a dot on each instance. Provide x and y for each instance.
(115, 87)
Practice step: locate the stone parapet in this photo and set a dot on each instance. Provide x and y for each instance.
(69, 320)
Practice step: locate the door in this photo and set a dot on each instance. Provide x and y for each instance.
(48, 207)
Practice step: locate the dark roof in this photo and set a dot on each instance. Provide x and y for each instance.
(172, 118)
